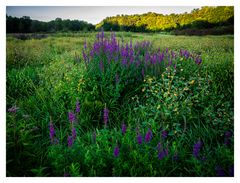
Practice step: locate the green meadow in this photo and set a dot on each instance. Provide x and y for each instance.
(124, 104)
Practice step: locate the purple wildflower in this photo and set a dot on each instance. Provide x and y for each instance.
(164, 134)
(77, 107)
(124, 128)
(84, 56)
(116, 151)
(70, 141)
(198, 60)
(74, 133)
(98, 36)
(161, 155)
(71, 116)
(166, 50)
(219, 171)
(52, 132)
(139, 138)
(148, 136)
(105, 116)
(196, 149)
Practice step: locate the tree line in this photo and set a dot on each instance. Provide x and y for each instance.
(204, 18)
(26, 25)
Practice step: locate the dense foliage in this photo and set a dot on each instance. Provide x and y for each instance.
(206, 17)
(120, 104)
(26, 25)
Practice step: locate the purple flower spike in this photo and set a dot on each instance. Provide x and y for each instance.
(161, 155)
(139, 139)
(196, 149)
(198, 60)
(52, 132)
(164, 134)
(77, 107)
(70, 141)
(105, 116)
(124, 128)
(71, 116)
(84, 56)
(85, 45)
(74, 133)
(148, 136)
(116, 151)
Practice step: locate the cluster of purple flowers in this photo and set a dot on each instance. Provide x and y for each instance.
(139, 138)
(71, 117)
(77, 107)
(148, 135)
(70, 141)
(74, 133)
(161, 152)
(52, 132)
(105, 116)
(124, 128)
(72, 137)
(116, 151)
(139, 55)
(196, 149)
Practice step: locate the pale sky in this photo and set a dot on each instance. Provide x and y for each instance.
(91, 14)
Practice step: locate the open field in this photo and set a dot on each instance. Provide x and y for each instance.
(130, 104)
